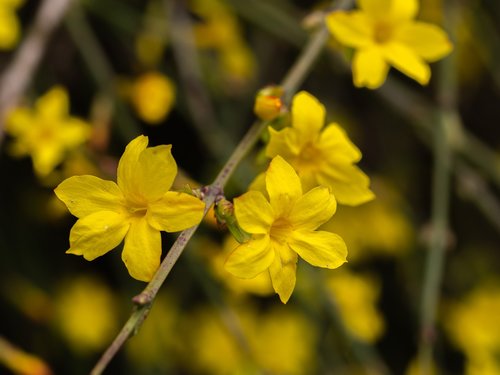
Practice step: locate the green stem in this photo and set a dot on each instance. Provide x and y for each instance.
(435, 261)
(102, 72)
(144, 300)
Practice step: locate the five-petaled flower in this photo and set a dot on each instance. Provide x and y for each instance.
(46, 132)
(284, 227)
(321, 156)
(136, 209)
(384, 33)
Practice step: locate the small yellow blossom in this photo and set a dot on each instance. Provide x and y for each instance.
(153, 95)
(86, 314)
(320, 155)
(474, 327)
(9, 24)
(357, 297)
(46, 132)
(384, 33)
(136, 209)
(283, 228)
(385, 224)
(268, 103)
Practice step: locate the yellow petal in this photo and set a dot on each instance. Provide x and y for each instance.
(156, 170)
(428, 41)
(369, 68)
(313, 209)
(127, 166)
(96, 234)
(375, 8)
(74, 132)
(9, 29)
(283, 185)
(349, 184)
(85, 195)
(142, 250)
(403, 9)
(335, 142)
(283, 272)
(407, 62)
(18, 121)
(46, 158)
(253, 212)
(175, 212)
(352, 29)
(54, 104)
(319, 248)
(259, 184)
(251, 258)
(279, 144)
(308, 115)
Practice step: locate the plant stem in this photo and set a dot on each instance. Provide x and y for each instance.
(434, 266)
(18, 74)
(144, 300)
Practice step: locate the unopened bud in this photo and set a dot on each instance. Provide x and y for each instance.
(224, 213)
(268, 103)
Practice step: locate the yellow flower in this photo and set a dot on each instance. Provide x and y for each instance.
(357, 297)
(46, 132)
(86, 314)
(153, 95)
(284, 227)
(321, 156)
(473, 323)
(136, 209)
(383, 33)
(9, 24)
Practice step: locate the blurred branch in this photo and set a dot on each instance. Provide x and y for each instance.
(434, 266)
(100, 68)
(197, 98)
(270, 16)
(19, 73)
(210, 194)
(473, 187)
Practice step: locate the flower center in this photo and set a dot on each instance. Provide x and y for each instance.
(383, 32)
(309, 158)
(281, 230)
(136, 209)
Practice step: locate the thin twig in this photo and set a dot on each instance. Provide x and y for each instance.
(197, 99)
(144, 300)
(434, 266)
(19, 73)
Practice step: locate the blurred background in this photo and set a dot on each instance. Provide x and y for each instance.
(186, 73)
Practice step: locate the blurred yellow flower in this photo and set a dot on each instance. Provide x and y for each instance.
(20, 362)
(153, 95)
(46, 132)
(280, 341)
(86, 314)
(384, 33)
(136, 209)
(357, 297)
(9, 24)
(283, 342)
(220, 31)
(384, 222)
(474, 327)
(283, 228)
(320, 155)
